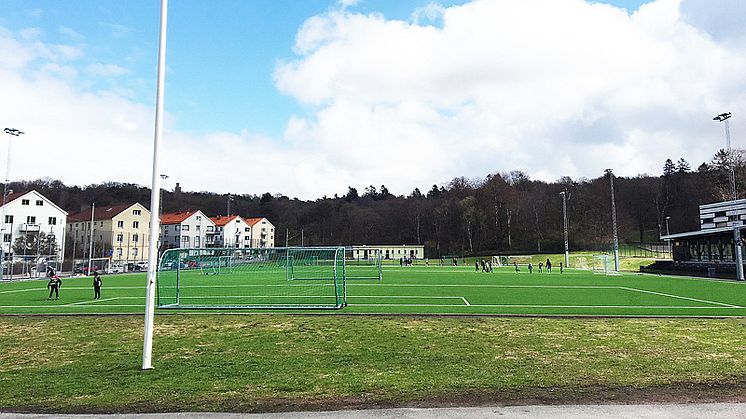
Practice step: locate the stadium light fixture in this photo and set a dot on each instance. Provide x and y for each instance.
(12, 132)
(613, 220)
(147, 351)
(564, 217)
(724, 117)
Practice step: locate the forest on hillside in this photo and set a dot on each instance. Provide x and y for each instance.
(502, 213)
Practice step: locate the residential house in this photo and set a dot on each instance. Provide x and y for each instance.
(231, 231)
(262, 232)
(119, 232)
(187, 229)
(30, 215)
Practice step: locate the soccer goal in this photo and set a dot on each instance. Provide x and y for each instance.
(519, 260)
(101, 265)
(252, 278)
(603, 265)
(369, 266)
(500, 261)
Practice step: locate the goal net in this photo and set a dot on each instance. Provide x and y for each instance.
(366, 265)
(501, 261)
(518, 260)
(603, 265)
(252, 278)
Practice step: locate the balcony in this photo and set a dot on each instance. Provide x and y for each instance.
(29, 227)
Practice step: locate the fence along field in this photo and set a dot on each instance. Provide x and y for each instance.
(421, 289)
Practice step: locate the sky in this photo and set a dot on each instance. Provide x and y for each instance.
(306, 98)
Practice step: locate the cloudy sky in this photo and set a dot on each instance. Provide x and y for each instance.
(305, 98)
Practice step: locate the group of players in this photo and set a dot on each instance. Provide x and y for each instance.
(55, 283)
(542, 266)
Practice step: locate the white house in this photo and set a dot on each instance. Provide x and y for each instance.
(231, 231)
(31, 214)
(188, 229)
(262, 232)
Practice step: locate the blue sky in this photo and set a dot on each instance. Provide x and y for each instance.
(221, 54)
(299, 76)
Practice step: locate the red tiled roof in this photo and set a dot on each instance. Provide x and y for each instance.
(221, 220)
(176, 217)
(101, 213)
(15, 195)
(252, 221)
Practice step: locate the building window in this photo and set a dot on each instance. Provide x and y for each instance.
(134, 252)
(120, 238)
(177, 228)
(196, 241)
(8, 219)
(196, 228)
(7, 238)
(25, 201)
(247, 229)
(30, 219)
(119, 252)
(39, 202)
(247, 238)
(120, 224)
(135, 238)
(165, 229)
(209, 228)
(199, 218)
(135, 224)
(176, 239)
(185, 239)
(185, 228)
(135, 212)
(53, 221)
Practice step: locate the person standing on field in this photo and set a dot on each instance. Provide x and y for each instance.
(549, 266)
(97, 286)
(54, 287)
(530, 268)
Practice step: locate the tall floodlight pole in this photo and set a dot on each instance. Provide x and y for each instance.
(147, 362)
(668, 233)
(723, 117)
(90, 238)
(228, 210)
(12, 132)
(564, 217)
(613, 220)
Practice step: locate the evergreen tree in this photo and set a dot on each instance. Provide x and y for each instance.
(668, 168)
(682, 166)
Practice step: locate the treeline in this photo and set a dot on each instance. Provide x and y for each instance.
(501, 214)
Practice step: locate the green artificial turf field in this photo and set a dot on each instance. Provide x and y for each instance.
(414, 289)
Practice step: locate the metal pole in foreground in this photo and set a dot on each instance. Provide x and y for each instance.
(668, 233)
(147, 350)
(564, 217)
(613, 220)
(90, 239)
(739, 255)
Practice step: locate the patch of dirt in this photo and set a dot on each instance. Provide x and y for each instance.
(733, 392)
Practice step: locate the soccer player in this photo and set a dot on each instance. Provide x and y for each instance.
(97, 285)
(54, 287)
(516, 267)
(541, 266)
(549, 266)
(561, 268)
(530, 268)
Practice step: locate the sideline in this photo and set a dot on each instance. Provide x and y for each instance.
(644, 411)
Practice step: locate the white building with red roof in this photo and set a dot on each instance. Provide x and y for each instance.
(231, 231)
(262, 232)
(29, 214)
(190, 229)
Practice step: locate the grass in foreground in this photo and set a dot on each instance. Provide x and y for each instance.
(284, 362)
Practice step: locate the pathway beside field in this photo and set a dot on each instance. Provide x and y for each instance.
(663, 411)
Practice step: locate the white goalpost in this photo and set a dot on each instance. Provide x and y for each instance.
(603, 265)
(520, 260)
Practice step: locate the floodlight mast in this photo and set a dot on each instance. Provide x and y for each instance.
(613, 220)
(564, 217)
(12, 132)
(147, 362)
(737, 242)
(724, 117)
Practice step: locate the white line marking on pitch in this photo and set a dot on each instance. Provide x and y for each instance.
(92, 301)
(487, 286)
(680, 297)
(465, 302)
(543, 306)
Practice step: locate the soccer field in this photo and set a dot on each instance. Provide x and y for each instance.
(412, 290)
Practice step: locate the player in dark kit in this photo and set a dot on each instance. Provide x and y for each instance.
(97, 286)
(54, 287)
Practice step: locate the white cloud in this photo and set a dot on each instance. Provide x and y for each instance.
(552, 88)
